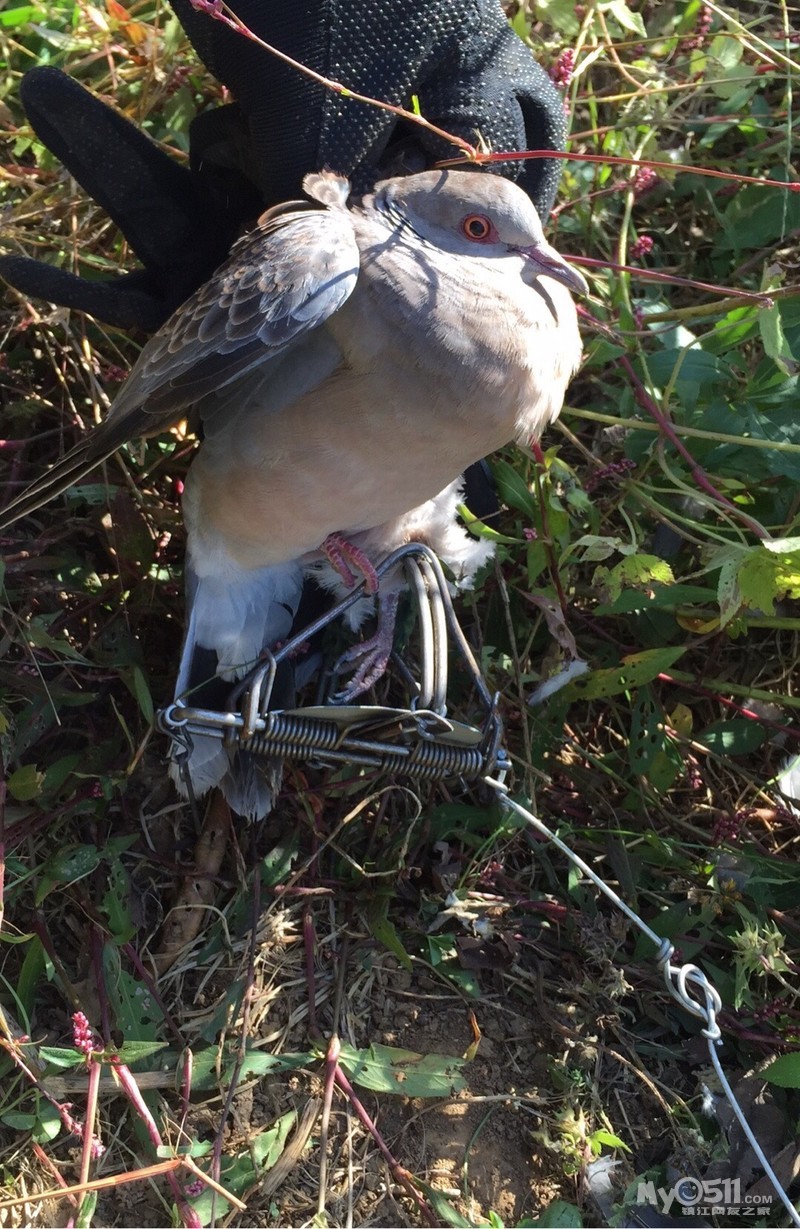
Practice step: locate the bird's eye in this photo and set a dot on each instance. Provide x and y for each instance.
(478, 227)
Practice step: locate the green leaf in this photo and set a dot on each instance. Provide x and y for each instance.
(403, 1072)
(629, 20)
(385, 930)
(611, 1141)
(48, 1123)
(276, 865)
(116, 903)
(481, 530)
(557, 1215)
(445, 1212)
(633, 671)
(513, 489)
(68, 866)
(136, 1012)
(58, 1056)
(141, 691)
(784, 1071)
(133, 1051)
(242, 1171)
(636, 571)
(86, 1210)
(775, 343)
(22, 15)
(209, 1067)
(26, 783)
(738, 736)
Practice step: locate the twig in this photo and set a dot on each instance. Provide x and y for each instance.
(160, 1169)
(655, 275)
(667, 168)
(397, 1171)
(221, 11)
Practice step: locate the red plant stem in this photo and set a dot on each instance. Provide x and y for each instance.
(648, 404)
(331, 1063)
(698, 473)
(614, 160)
(399, 1174)
(131, 1090)
(654, 275)
(310, 944)
(786, 730)
(47, 1164)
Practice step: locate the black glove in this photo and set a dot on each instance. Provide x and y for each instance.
(472, 75)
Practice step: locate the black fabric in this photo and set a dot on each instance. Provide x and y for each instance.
(471, 74)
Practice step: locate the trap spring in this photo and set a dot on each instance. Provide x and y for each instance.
(418, 741)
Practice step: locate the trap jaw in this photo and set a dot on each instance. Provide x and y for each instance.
(419, 741)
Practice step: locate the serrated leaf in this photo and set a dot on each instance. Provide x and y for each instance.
(636, 571)
(594, 548)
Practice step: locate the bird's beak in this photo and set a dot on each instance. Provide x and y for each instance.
(546, 259)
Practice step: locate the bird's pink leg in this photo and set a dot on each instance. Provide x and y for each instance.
(370, 658)
(341, 554)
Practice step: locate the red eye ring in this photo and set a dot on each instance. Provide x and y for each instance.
(477, 227)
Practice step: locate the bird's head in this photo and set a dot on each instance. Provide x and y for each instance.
(475, 214)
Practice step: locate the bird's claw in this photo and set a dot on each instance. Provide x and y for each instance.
(369, 660)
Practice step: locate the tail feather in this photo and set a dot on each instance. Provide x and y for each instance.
(77, 463)
(232, 619)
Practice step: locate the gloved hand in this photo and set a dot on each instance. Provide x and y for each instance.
(471, 74)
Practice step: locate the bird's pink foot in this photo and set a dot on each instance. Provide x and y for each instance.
(343, 556)
(370, 658)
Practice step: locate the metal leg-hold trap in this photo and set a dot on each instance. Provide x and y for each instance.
(418, 741)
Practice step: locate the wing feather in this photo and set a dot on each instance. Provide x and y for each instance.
(281, 282)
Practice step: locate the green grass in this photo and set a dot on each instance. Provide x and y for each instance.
(661, 521)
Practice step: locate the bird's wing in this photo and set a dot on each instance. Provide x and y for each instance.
(281, 281)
